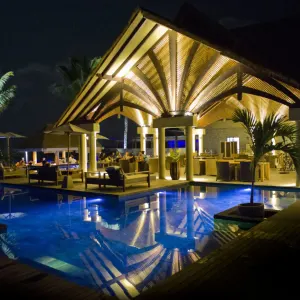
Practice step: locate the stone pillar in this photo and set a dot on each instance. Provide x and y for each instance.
(56, 157)
(143, 141)
(162, 153)
(194, 141)
(34, 157)
(200, 144)
(162, 213)
(83, 153)
(155, 142)
(93, 152)
(63, 155)
(189, 152)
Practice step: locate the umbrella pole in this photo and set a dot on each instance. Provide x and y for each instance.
(8, 151)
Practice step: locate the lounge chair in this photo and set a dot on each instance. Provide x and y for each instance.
(116, 177)
(12, 172)
(53, 173)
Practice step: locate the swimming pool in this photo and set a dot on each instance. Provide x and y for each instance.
(121, 248)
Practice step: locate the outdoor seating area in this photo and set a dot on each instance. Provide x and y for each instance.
(230, 169)
(115, 176)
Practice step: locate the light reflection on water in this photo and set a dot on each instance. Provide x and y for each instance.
(128, 247)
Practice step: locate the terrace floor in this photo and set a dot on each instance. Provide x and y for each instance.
(276, 180)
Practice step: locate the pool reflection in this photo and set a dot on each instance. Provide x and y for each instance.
(127, 247)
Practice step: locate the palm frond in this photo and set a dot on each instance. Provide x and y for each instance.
(247, 119)
(73, 76)
(5, 78)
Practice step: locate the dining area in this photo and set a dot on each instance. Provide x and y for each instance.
(231, 169)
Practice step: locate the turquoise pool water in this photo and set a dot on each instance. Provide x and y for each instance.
(121, 248)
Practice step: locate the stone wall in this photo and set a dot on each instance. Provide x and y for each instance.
(219, 132)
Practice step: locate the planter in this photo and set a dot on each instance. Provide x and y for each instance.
(175, 170)
(254, 210)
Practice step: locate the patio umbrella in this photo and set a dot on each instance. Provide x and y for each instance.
(101, 137)
(68, 129)
(8, 136)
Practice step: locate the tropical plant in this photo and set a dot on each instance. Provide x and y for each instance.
(262, 133)
(73, 75)
(175, 155)
(6, 93)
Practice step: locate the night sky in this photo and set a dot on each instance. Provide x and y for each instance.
(37, 35)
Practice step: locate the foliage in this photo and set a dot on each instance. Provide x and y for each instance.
(8, 243)
(73, 76)
(175, 155)
(6, 93)
(262, 133)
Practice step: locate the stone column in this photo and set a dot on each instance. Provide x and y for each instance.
(63, 155)
(56, 157)
(143, 141)
(189, 152)
(162, 153)
(155, 142)
(34, 157)
(200, 144)
(194, 140)
(83, 153)
(93, 152)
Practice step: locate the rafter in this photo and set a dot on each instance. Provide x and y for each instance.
(127, 104)
(186, 69)
(136, 93)
(266, 95)
(274, 83)
(173, 70)
(137, 72)
(218, 80)
(161, 74)
(239, 82)
(205, 69)
(217, 98)
(111, 95)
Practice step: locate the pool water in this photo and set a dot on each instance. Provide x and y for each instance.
(121, 248)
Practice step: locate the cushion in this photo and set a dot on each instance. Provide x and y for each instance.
(114, 172)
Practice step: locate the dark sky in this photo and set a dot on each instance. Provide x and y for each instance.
(37, 35)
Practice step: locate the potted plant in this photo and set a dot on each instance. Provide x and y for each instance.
(261, 134)
(175, 165)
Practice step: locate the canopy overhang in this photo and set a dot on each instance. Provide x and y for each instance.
(158, 69)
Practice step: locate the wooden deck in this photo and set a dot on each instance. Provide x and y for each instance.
(22, 281)
(140, 189)
(263, 263)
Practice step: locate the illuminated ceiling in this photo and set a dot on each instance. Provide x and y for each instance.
(156, 70)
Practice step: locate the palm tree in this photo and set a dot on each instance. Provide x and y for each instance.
(262, 133)
(73, 76)
(6, 93)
